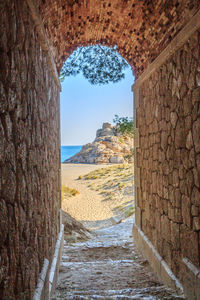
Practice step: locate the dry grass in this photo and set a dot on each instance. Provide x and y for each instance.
(115, 184)
(68, 192)
(129, 211)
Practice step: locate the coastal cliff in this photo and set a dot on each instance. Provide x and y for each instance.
(108, 147)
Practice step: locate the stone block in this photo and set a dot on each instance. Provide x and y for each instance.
(189, 244)
(196, 223)
(192, 160)
(165, 206)
(164, 138)
(181, 171)
(198, 163)
(196, 177)
(187, 106)
(196, 94)
(188, 123)
(177, 198)
(8, 183)
(189, 141)
(194, 211)
(167, 252)
(165, 167)
(186, 210)
(195, 198)
(173, 119)
(183, 89)
(175, 235)
(189, 182)
(179, 135)
(185, 158)
(175, 177)
(183, 187)
(165, 228)
(177, 215)
(196, 135)
(171, 211)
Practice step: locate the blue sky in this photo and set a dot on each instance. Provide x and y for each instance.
(85, 107)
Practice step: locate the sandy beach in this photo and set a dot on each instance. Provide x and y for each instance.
(96, 201)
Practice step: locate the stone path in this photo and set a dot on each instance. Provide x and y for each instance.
(108, 267)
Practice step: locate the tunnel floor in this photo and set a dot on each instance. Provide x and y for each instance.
(108, 266)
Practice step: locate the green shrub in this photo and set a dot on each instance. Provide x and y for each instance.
(129, 156)
(121, 140)
(124, 125)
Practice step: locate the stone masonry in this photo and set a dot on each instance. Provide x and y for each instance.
(140, 29)
(29, 155)
(168, 156)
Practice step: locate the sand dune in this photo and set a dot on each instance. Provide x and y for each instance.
(98, 197)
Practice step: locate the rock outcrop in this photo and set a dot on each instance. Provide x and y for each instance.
(108, 147)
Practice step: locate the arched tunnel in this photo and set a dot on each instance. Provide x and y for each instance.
(161, 42)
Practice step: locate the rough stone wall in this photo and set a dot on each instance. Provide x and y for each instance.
(168, 119)
(29, 154)
(141, 29)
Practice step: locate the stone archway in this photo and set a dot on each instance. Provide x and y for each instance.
(161, 42)
(140, 29)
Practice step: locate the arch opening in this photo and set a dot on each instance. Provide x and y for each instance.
(92, 106)
(140, 29)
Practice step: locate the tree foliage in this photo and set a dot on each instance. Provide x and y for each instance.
(124, 125)
(98, 64)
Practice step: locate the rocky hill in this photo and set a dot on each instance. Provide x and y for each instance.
(108, 147)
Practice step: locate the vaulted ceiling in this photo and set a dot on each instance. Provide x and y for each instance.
(141, 29)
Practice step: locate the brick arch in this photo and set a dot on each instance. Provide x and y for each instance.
(140, 29)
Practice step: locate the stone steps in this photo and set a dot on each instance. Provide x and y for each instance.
(147, 294)
(108, 267)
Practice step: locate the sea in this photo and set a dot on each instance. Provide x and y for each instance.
(69, 151)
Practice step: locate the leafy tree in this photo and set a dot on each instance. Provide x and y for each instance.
(124, 125)
(99, 64)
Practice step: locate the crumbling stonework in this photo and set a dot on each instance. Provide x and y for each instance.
(168, 156)
(29, 154)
